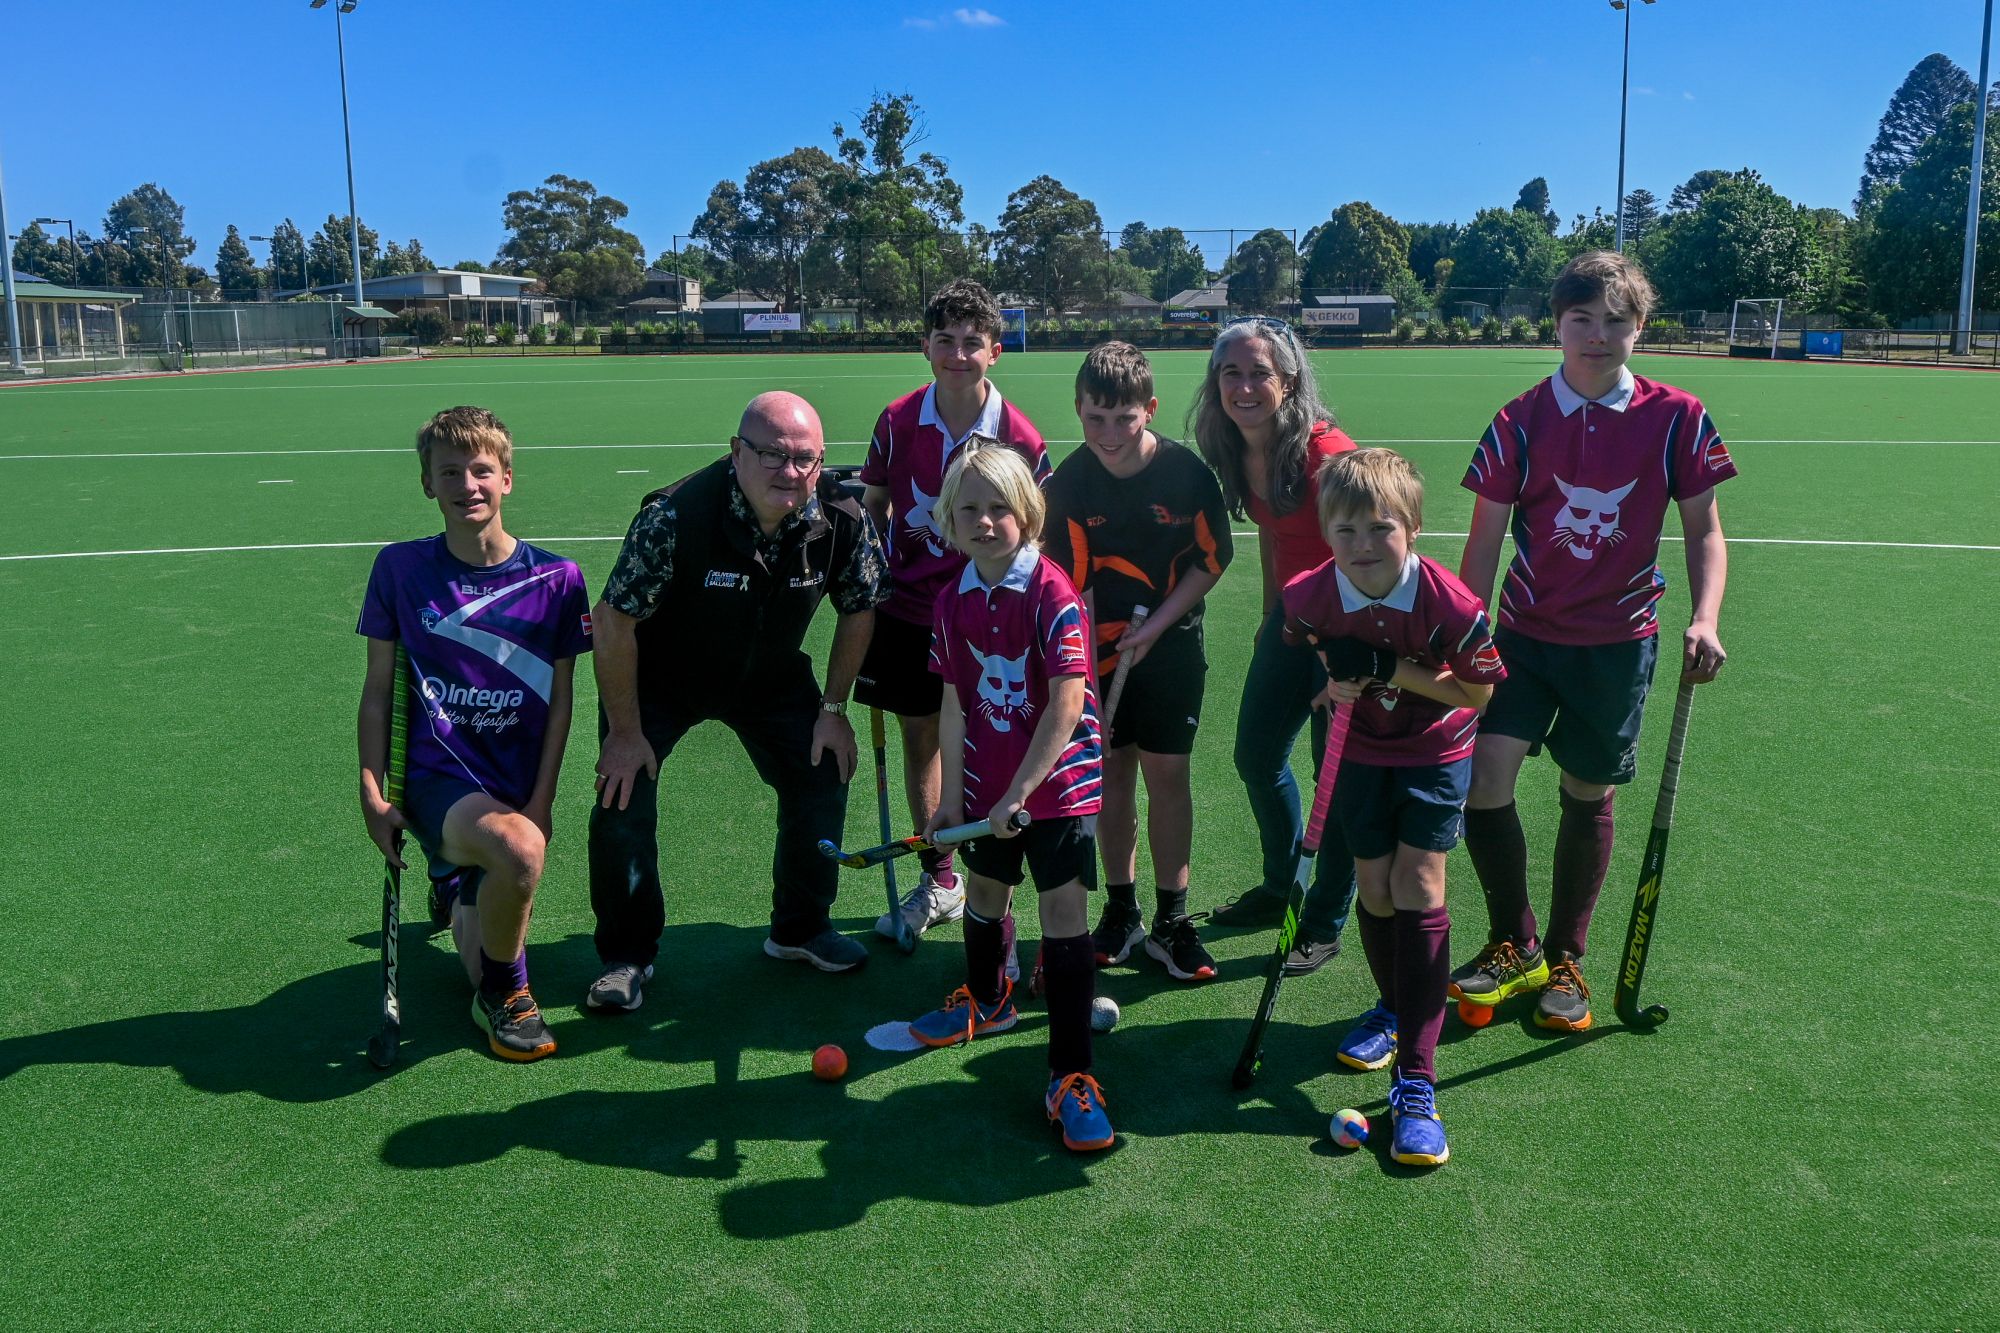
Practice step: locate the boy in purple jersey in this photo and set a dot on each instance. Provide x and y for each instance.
(1019, 731)
(1407, 645)
(915, 439)
(492, 627)
(1582, 468)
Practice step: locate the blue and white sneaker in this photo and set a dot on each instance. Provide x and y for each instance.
(1077, 1104)
(1371, 1042)
(962, 1018)
(1419, 1136)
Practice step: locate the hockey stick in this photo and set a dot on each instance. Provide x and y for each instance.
(1646, 903)
(1252, 1058)
(889, 851)
(1139, 614)
(383, 1045)
(906, 939)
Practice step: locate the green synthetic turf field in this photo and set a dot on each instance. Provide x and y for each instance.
(194, 1139)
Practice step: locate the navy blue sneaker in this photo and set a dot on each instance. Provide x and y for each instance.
(1419, 1137)
(1371, 1042)
(1077, 1104)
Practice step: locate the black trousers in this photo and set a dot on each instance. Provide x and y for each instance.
(776, 727)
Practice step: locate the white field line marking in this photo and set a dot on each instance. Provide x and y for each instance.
(719, 445)
(276, 481)
(558, 541)
(633, 471)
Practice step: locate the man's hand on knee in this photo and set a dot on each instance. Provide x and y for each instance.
(619, 760)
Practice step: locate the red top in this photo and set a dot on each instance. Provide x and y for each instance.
(1296, 539)
(1430, 618)
(998, 647)
(1590, 483)
(908, 454)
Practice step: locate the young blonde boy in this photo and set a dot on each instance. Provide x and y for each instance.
(1018, 732)
(1407, 647)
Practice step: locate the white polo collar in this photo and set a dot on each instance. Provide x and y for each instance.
(1617, 400)
(987, 423)
(1016, 577)
(1402, 597)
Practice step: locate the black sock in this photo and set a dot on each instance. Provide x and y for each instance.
(1168, 904)
(1125, 895)
(1069, 979)
(986, 956)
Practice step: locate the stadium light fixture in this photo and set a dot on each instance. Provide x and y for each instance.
(75, 255)
(1624, 104)
(14, 361)
(1961, 338)
(347, 136)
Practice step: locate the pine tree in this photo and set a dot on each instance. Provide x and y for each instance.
(1915, 113)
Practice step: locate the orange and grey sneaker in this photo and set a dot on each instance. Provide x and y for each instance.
(1077, 1104)
(961, 1018)
(1497, 971)
(1565, 1005)
(513, 1026)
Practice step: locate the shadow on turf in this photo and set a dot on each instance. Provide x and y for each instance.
(716, 997)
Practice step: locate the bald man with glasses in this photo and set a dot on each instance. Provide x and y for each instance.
(703, 618)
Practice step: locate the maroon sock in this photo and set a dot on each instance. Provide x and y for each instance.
(937, 863)
(498, 980)
(1499, 852)
(1378, 942)
(1069, 980)
(1583, 854)
(986, 955)
(1423, 969)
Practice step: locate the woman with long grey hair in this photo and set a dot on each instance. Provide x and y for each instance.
(1263, 427)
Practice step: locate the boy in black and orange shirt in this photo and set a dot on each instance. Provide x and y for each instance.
(1136, 520)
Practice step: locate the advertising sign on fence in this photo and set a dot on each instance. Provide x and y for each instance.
(1174, 315)
(770, 322)
(1824, 344)
(1339, 316)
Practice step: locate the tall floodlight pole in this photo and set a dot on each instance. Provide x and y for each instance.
(14, 361)
(1624, 103)
(75, 255)
(1961, 338)
(347, 136)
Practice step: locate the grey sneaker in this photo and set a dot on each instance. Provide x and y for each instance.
(1309, 955)
(829, 951)
(619, 987)
(925, 906)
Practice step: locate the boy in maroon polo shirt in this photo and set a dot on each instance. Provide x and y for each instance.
(1019, 732)
(915, 439)
(1407, 645)
(1582, 467)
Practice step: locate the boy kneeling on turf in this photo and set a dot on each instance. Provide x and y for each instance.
(1136, 520)
(1018, 732)
(492, 627)
(1408, 647)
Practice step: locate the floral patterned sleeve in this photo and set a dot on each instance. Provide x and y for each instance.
(645, 561)
(862, 583)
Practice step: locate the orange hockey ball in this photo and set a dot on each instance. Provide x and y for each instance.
(1474, 1015)
(830, 1063)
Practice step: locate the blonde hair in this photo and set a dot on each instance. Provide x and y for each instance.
(472, 430)
(1006, 472)
(1371, 481)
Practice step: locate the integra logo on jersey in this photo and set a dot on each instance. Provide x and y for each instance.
(465, 696)
(723, 578)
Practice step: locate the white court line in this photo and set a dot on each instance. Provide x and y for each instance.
(276, 481)
(558, 541)
(633, 471)
(1467, 441)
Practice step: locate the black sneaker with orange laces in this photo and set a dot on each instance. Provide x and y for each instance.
(513, 1026)
(1565, 1005)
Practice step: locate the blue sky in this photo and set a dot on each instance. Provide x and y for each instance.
(1199, 116)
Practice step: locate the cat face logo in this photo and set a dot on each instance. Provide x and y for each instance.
(1589, 519)
(1003, 688)
(920, 519)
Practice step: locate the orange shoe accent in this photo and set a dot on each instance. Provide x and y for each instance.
(1085, 1090)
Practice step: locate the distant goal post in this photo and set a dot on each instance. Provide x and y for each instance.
(1014, 330)
(1754, 326)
